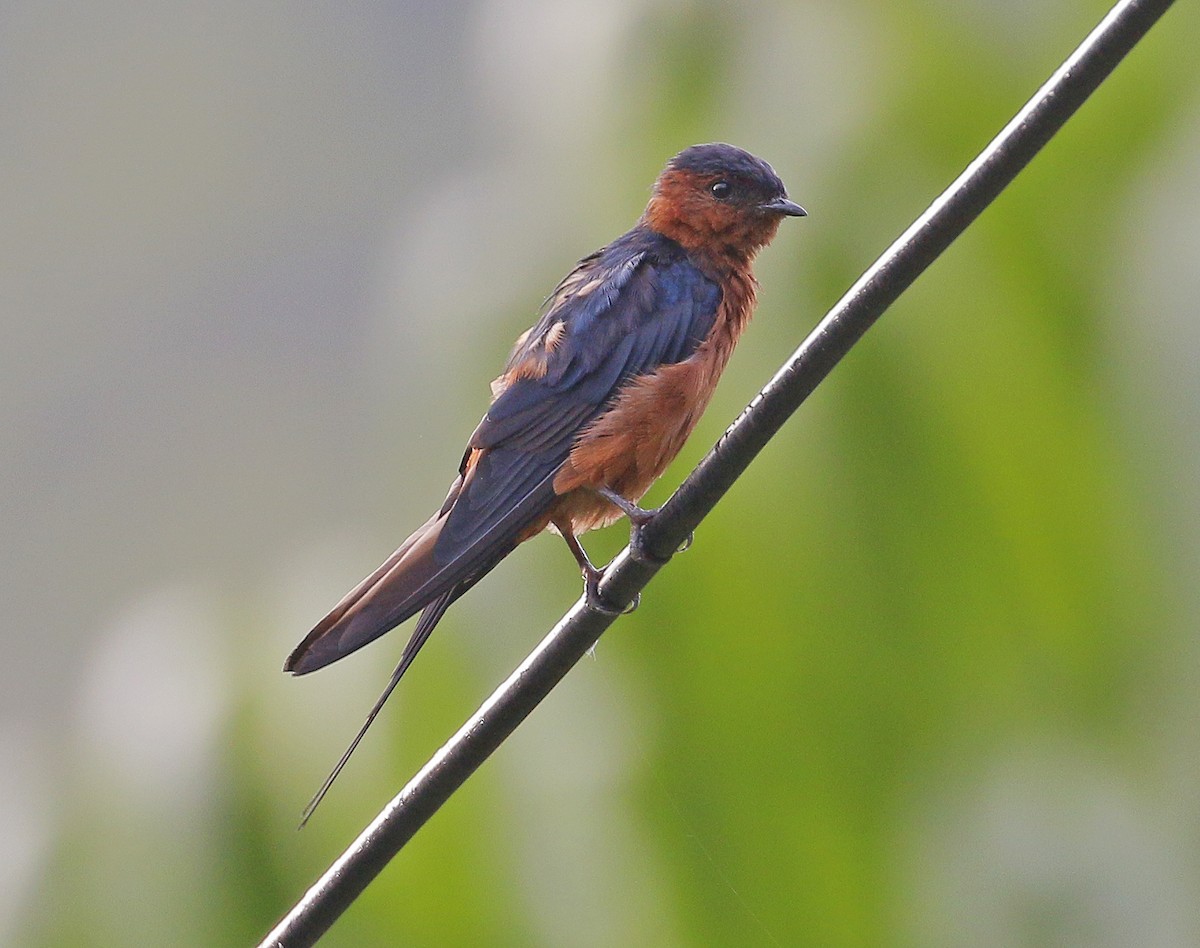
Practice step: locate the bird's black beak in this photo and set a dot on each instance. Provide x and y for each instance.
(782, 205)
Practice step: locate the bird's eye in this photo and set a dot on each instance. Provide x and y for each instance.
(720, 190)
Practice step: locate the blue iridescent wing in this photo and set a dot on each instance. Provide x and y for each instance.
(622, 313)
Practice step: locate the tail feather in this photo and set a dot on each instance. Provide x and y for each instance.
(354, 621)
(420, 571)
(429, 571)
(425, 625)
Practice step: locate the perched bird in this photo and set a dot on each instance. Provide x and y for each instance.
(596, 400)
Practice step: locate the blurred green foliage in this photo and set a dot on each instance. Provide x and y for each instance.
(935, 616)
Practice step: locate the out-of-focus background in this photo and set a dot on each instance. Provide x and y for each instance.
(928, 676)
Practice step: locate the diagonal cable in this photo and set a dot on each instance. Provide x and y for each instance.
(909, 256)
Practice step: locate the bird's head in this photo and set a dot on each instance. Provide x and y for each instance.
(720, 201)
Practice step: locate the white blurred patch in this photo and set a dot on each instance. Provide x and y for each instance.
(457, 263)
(549, 65)
(827, 62)
(25, 804)
(153, 699)
(1156, 332)
(1049, 848)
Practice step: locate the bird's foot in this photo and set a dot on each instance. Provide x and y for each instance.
(638, 518)
(639, 550)
(597, 602)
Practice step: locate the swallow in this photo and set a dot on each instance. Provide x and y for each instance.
(597, 398)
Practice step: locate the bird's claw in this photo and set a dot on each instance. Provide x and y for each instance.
(597, 602)
(637, 546)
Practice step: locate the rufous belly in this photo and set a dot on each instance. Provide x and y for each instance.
(628, 448)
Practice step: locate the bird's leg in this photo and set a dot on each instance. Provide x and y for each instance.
(591, 575)
(638, 518)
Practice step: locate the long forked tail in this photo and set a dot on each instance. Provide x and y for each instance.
(444, 558)
(425, 625)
